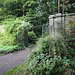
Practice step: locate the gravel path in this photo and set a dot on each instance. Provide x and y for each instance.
(12, 60)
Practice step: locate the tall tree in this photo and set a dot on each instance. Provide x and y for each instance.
(34, 11)
(65, 5)
(58, 6)
(72, 9)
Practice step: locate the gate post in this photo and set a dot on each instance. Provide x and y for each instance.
(55, 23)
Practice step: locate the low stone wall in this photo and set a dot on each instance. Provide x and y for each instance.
(70, 21)
(60, 22)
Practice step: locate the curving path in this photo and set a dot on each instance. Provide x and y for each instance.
(12, 60)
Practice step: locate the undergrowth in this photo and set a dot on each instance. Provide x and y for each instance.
(9, 49)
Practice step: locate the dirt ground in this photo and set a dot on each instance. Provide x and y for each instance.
(12, 60)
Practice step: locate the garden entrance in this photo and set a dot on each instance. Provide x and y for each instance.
(59, 23)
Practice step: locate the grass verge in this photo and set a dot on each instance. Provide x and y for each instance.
(1, 54)
(9, 49)
(19, 70)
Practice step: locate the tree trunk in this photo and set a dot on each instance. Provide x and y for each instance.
(23, 10)
(63, 7)
(58, 6)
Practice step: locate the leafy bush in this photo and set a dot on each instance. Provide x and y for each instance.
(53, 45)
(11, 31)
(49, 57)
(14, 36)
(1, 35)
(31, 37)
(73, 62)
(24, 25)
(41, 64)
(71, 37)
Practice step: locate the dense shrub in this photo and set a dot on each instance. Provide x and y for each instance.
(31, 37)
(53, 45)
(71, 37)
(11, 31)
(14, 36)
(43, 64)
(49, 57)
(1, 35)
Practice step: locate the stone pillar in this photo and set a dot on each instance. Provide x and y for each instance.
(22, 38)
(51, 24)
(55, 22)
